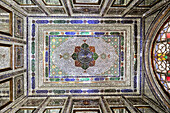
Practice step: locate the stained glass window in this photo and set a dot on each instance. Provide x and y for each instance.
(161, 56)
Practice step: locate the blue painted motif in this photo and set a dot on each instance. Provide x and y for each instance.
(33, 82)
(99, 33)
(33, 30)
(46, 56)
(76, 21)
(76, 91)
(99, 79)
(126, 90)
(42, 91)
(135, 81)
(42, 21)
(70, 33)
(93, 91)
(69, 79)
(93, 21)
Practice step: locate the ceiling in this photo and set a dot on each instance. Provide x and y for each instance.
(100, 8)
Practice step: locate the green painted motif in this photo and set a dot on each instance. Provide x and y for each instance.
(47, 40)
(114, 78)
(84, 79)
(33, 48)
(33, 65)
(84, 46)
(46, 71)
(84, 33)
(95, 56)
(59, 21)
(59, 91)
(75, 56)
(54, 33)
(114, 33)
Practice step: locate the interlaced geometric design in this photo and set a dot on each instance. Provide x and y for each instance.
(161, 56)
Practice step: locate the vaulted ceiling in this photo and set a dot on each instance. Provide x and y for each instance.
(100, 8)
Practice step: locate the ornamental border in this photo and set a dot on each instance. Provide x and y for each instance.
(98, 78)
(94, 22)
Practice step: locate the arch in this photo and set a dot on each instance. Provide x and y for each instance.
(160, 56)
(151, 36)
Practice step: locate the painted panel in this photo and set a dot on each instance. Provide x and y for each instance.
(86, 111)
(6, 93)
(19, 56)
(52, 2)
(87, 1)
(5, 21)
(82, 56)
(56, 102)
(5, 57)
(19, 86)
(18, 27)
(33, 102)
(26, 110)
(52, 110)
(145, 109)
(120, 110)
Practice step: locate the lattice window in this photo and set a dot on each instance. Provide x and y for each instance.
(161, 56)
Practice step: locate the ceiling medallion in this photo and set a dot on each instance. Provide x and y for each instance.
(84, 56)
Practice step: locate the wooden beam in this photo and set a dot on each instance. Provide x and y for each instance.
(41, 5)
(130, 107)
(156, 7)
(106, 6)
(13, 6)
(67, 5)
(105, 105)
(154, 105)
(131, 6)
(18, 104)
(41, 106)
(67, 105)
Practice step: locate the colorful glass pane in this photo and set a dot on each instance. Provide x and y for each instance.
(161, 56)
